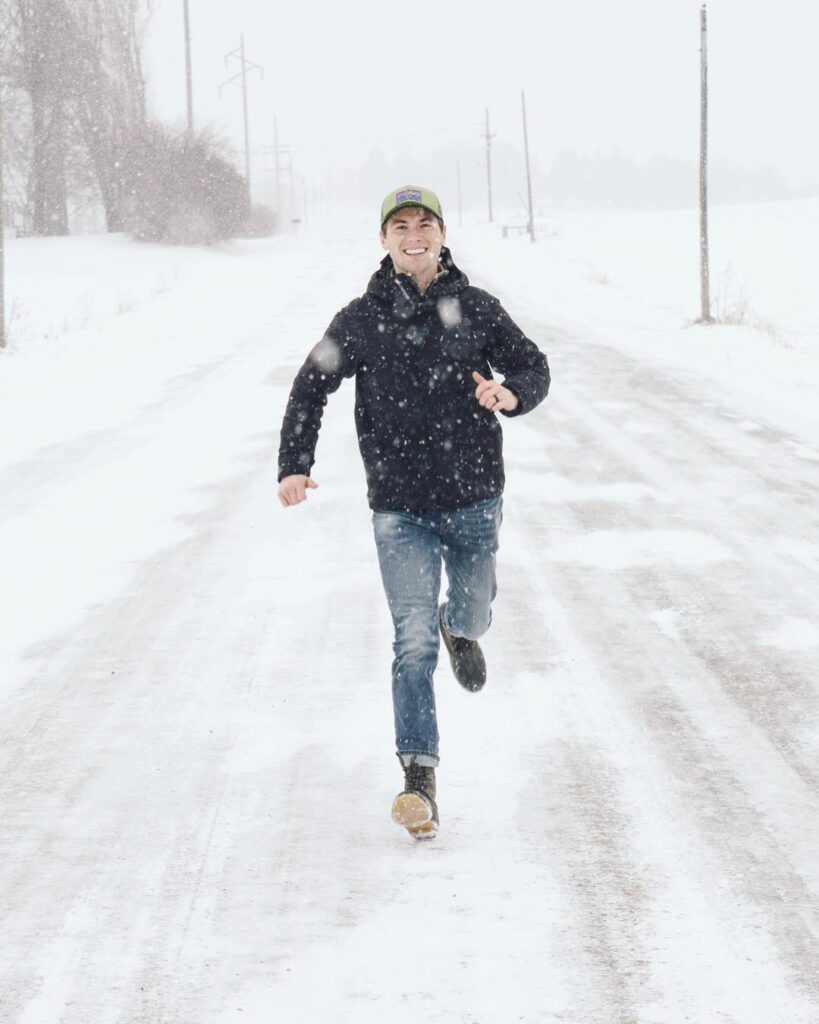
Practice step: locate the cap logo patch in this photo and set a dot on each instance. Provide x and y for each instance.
(408, 195)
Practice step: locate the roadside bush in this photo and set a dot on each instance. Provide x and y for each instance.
(261, 223)
(730, 304)
(182, 190)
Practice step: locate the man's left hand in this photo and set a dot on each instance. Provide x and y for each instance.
(494, 396)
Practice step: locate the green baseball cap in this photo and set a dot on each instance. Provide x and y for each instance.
(410, 195)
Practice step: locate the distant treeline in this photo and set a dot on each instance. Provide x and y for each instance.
(615, 179)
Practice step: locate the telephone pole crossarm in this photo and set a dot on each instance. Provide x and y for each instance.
(249, 66)
(237, 78)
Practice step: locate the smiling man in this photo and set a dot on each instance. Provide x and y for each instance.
(422, 344)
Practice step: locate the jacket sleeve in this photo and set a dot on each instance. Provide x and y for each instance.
(330, 361)
(524, 367)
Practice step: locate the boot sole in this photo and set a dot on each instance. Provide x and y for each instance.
(413, 812)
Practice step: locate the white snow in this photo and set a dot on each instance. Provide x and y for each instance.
(666, 620)
(196, 749)
(614, 549)
(793, 634)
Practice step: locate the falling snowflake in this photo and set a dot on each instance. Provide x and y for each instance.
(449, 310)
(326, 355)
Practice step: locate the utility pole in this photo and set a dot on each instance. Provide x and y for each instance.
(489, 164)
(2, 234)
(247, 65)
(460, 207)
(705, 288)
(304, 198)
(244, 108)
(278, 151)
(531, 224)
(188, 74)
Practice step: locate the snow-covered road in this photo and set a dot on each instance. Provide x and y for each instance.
(196, 759)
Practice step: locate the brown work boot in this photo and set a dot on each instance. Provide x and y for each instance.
(415, 807)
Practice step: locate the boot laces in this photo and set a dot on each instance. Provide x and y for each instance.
(420, 777)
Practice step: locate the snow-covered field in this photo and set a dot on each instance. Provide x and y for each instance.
(196, 747)
(632, 280)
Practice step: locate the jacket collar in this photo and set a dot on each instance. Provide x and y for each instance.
(401, 291)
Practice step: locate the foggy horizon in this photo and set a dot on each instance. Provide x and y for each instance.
(612, 99)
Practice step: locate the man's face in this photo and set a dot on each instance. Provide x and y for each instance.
(413, 238)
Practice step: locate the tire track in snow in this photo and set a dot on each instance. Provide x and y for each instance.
(758, 875)
(664, 787)
(113, 721)
(161, 663)
(588, 831)
(721, 493)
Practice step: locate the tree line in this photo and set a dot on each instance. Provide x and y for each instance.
(78, 132)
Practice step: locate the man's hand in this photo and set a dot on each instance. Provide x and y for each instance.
(293, 489)
(494, 396)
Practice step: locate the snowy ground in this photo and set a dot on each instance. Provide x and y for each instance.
(196, 728)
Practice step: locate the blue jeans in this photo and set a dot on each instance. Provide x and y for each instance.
(411, 547)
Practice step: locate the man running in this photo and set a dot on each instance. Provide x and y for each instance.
(422, 344)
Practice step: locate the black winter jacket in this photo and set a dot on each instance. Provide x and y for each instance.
(426, 443)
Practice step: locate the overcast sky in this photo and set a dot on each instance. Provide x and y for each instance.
(383, 88)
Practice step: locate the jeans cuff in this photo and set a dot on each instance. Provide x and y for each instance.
(424, 760)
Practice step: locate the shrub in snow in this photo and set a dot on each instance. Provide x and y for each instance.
(182, 189)
(730, 304)
(261, 223)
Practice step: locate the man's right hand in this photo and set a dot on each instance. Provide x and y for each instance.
(293, 489)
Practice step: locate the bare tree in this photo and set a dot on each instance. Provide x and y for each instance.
(109, 97)
(16, 127)
(78, 63)
(44, 70)
(2, 231)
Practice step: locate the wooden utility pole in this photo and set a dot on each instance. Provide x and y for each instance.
(489, 138)
(531, 225)
(2, 235)
(188, 74)
(705, 288)
(247, 65)
(277, 152)
(244, 109)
